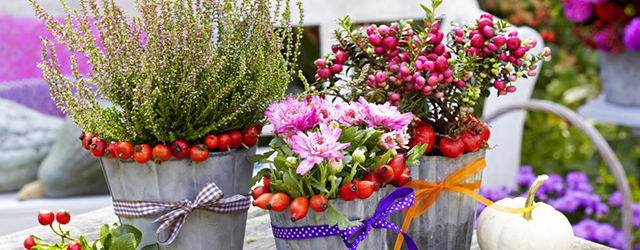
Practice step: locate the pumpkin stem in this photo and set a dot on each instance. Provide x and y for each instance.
(531, 195)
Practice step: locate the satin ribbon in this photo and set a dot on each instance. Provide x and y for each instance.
(428, 192)
(209, 198)
(353, 236)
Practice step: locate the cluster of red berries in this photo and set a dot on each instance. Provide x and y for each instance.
(46, 218)
(484, 42)
(472, 139)
(395, 172)
(328, 69)
(179, 148)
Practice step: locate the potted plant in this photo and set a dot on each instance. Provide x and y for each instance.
(329, 171)
(612, 27)
(185, 84)
(441, 79)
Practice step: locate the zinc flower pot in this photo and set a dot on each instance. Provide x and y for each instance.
(620, 77)
(179, 180)
(448, 223)
(354, 210)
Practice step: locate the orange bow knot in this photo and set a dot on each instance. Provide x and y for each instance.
(427, 193)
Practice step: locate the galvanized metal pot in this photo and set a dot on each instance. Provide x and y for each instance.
(177, 180)
(448, 223)
(620, 77)
(356, 209)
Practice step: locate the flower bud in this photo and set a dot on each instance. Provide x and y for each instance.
(334, 125)
(358, 155)
(335, 165)
(292, 159)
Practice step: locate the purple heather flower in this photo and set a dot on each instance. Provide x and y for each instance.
(324, 112)
(577, 11)
(604, 233)
(567, 203)
(601, 209)
(615, 200)
(291, 116)
(555, 184)
(314, 147)
(385, 116)
(631, 35)
(636, 214)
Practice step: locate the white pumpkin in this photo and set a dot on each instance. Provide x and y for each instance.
(543, 229)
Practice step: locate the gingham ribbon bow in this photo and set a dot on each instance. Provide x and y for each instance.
(210, 198)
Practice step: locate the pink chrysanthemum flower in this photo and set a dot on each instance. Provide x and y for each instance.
(350, 114)
(403, 137)
(381, 116)
(387, 141)
(314, 147)
(325, 113)
(291, 116)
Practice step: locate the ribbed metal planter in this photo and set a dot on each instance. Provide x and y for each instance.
(448, 223)
(356, 209)
(620, 77)
(177, 180)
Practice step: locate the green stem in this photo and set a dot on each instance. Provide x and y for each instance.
(531, 195)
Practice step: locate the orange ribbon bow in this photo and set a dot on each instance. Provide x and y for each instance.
(428, 192)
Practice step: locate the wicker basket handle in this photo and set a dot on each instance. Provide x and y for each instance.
(596, 138)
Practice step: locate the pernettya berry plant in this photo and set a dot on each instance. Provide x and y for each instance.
(175, 70)
(127, 236)
(440, 78)
(198, 151)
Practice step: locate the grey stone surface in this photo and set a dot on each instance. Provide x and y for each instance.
(177, 180)
(620, 77)
(67, 156)
(258, 235)
(25, 138)
(448, 223)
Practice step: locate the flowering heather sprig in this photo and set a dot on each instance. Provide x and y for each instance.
(181, 69)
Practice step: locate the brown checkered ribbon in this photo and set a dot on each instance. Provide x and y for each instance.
(210, 198)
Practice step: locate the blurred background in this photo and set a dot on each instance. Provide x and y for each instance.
(42, 164)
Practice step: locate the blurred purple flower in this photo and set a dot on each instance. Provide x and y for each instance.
(615, 200)
(636, 214)
(577, 11)
(585, 228)
(607, 40)
(555, 184)
(604, 233)
(631, 35)
(493, 194)
(618, 241)
(567, 203)
(526, 176)
(578, 181)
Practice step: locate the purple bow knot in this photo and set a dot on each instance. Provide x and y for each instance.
(352, 236)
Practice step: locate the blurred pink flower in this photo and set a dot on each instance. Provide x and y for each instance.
(314, 147)
(385, 116)
(350, 114)
(388, 141)
(325, 113)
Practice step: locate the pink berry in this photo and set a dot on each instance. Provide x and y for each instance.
(336, 68)
(324, 73)
(321, 63)
(379, 50)
(433, 80)
(458, 31)
(447, 73)
(375, 40)
(394, 97)
(448, 79)
(371, 29)
(458, 40)
(486, 51)
(477, 41)
(513, 78)
(511, 89)
(533, 43)
(503, 56)
(404, 71)
(461, 84)
(428, 66)
(484, 22)
(487, 16)
(390, 43)
(420, 81)
(502, 92)
(513, 33)
(531, 73)
(432, 38)
(499, 85)
(439, 95)
(487, 32)
(381, 77)
(393, 30)
(441, 64)
(394, 68)
(383, 30)
(499, 40)
(492, 47)
(341, 57)
(439, 49)
(519, 53)
(473, 51)
(418, 64)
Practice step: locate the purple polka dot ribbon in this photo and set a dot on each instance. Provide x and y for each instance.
(352, 236)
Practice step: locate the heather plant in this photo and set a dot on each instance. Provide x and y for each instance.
(179, 69)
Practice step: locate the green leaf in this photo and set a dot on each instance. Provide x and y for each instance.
(319, 187)
(261, 159)
(128, 229)
(125, 242)
(151, 247)
(291, 184)
(258, 176)
(384, 159)
(85, 244)
(426, 9)
(280, 163)
(413, 156)
(336, 217)
(40, 242)
(277, 142)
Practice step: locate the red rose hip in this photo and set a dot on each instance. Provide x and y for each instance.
(45, 217)
(63, 216)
